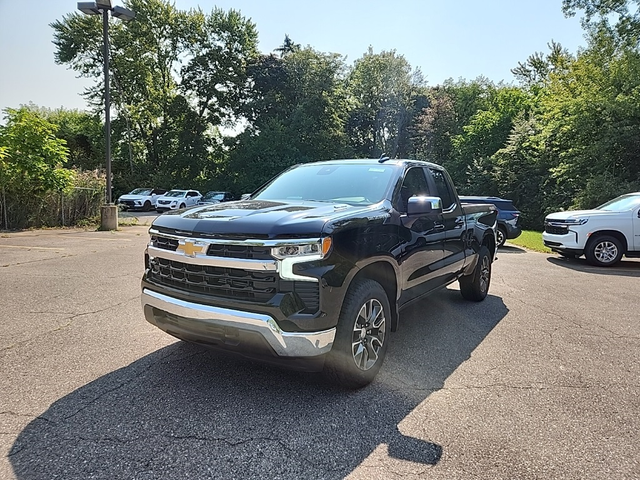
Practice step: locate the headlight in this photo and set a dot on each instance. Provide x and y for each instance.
(318, 248)
(576, 221)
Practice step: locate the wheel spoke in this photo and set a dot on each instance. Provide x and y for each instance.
(378, 319)
(372, 351)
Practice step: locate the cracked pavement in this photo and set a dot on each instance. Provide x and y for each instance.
(539, 381)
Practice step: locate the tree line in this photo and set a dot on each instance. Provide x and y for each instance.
(197, 105)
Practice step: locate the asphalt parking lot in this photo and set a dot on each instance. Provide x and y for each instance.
(540, 381)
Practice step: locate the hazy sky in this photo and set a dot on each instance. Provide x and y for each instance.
(446, 39)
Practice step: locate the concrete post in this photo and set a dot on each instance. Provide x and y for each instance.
(109, 217)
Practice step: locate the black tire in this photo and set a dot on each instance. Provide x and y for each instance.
(182, 205)
(147, 206)
(362, 336)
(475, 286)
(604, 251)
(501, 236)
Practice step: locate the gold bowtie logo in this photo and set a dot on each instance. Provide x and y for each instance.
(190, 247)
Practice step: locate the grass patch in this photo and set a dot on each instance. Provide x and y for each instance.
(530, 240)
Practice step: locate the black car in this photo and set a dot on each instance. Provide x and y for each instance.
(216, 197)
(508, 216)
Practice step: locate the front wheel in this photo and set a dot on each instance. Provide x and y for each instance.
(361, 336)
(147, 206)
(475, 286)
(182, 205)
(604, 251)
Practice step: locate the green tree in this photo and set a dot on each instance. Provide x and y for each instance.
(591, 121)
(386, 94)
(83, 134)
(178, 77)
(625, 15)
(32, 160)
(296, 114)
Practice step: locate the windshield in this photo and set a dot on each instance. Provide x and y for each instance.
(175, 193)
(621, 203)
(349, 183)
(140, 191)
(214, 196)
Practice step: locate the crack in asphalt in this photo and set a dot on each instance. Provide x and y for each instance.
(37, 261)
(118, 387)
(70, 320)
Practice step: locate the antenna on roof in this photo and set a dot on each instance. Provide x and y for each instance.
(383, 158)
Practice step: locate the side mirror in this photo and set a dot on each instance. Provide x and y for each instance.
(424, 206)
(245, 196)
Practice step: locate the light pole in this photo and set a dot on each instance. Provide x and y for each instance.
(109, 213)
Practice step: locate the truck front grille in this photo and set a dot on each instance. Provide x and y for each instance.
(243, 252)
(230, 283)
(164, 243)
(556, 229)
(239, 251)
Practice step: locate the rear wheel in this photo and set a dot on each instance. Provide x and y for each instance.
(361, 336)
(475, 286)
(604, 251)
(501, 236)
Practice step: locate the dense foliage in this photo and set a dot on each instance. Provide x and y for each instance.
(34, 183)
(195, 104)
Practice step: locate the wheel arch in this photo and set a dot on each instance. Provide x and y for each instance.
(383, 273)
(612, 233)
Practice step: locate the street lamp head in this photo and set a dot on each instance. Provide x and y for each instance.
(123, 13)
(90, 8)
(104, 4)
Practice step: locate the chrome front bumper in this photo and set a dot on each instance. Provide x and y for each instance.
(196, 318)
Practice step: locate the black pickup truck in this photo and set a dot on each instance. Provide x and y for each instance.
(312, 270)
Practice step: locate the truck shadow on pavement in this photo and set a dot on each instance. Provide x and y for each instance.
(626, 267)
(185, 412)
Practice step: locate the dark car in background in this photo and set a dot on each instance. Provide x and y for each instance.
(216, 197)
(508, 216)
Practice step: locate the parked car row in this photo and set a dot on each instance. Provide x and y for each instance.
(603, 235)
(161, 200)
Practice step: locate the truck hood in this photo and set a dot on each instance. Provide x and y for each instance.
(259, 218)
(579, 214)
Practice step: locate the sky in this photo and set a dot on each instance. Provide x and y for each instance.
(445, 38)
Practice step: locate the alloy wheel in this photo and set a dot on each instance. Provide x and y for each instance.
(606, 252)
(368, 334)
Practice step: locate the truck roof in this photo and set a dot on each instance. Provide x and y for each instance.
(376, 161)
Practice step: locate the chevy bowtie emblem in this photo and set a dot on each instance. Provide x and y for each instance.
(190, 247)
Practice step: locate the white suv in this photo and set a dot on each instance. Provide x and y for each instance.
(176, 199)
(140, 199)
(603, 234)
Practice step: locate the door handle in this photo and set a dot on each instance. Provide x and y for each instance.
(438, 226)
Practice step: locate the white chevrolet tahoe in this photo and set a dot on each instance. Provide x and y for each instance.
(603, 234)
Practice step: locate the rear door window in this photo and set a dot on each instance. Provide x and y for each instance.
(443, 188)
